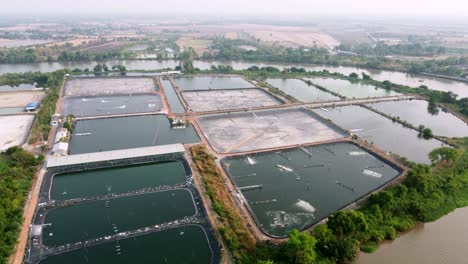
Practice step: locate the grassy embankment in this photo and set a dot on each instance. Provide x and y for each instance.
(234, 232)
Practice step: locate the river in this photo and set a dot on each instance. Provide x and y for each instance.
(435, 83)
(442, 241)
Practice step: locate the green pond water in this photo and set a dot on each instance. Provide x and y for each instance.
(351, 90)
(303, 186)
(211, 82)
(115, 180)
(172, 98)
(416, 112)
(186, 244)
(127, 132)
(111, 105)
(102, 218)
(301, 91)
(381, 131)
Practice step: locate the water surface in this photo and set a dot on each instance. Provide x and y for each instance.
(115, 180)
(443, 241)
(416, 112)
(382, 132)
(301, 91)
(300, 187)
(187, 244)
(127, 132)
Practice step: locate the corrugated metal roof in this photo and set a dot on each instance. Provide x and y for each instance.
(114, 155)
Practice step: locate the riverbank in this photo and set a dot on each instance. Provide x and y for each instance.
(442, 241)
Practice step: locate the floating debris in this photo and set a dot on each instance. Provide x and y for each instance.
(346, 186)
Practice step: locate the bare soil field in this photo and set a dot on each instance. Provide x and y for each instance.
(20, 99)
(199, 45)
(200, 101)
(14, 130)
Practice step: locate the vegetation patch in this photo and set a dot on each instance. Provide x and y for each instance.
(17, 168)
(239, 240)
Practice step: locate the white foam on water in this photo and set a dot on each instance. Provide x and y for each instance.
(371, 173)
(357, 153)
(305, 206)
(251, 161)
(281, 167)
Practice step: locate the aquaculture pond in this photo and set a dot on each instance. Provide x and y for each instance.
(296, 188)
(381, 131)
(416, 112)
(187, 244)
(115, 180)
(351, 90)
(127, 132)
(106, 217)
(172, 98)
(111, 105)
(301, 91)
(211, 82)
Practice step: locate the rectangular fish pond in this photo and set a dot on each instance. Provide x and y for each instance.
(351, 90)
(301, 90)
(297, 188)
(247, 131)
(106, 217)
(383, 132)
(111, 105)
(187, 244)
(211, 82)
(73, 185)
(417, 112)
(127, 132)
(200, 101)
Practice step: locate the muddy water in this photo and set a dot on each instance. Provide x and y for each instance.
(443, 241)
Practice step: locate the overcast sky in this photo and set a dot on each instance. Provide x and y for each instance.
(219, 7)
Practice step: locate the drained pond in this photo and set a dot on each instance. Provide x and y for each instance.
(211, 82)
(127, 132)
(296, 188)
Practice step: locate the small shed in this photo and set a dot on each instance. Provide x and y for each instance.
(61, 133)
(60, 149)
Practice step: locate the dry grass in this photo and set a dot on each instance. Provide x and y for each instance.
(199, 45)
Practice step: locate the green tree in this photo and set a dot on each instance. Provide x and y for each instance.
(300, 248)
(98, 68)
(443, 154)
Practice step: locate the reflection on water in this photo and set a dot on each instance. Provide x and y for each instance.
(413, 80)
(443, 241)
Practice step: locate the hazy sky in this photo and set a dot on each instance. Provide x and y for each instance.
(405, 7)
